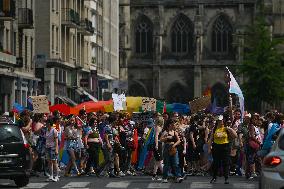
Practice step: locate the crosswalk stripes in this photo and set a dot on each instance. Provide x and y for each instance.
(76, 185)
(200, 185)
(122, 184)
(159, 185)
(244, 186)
(134, 184)
(35, 185)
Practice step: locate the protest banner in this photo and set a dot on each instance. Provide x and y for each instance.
(199, 104)
(149, 104)
(40, 104)
(119, 102)
(141, 116)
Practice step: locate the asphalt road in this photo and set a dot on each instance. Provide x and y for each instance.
(134, 182)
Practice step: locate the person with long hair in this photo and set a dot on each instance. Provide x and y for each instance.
(70, 134)
(171, 140)
(93, 143)
(219, 140)
(159, 123)
(52, 150)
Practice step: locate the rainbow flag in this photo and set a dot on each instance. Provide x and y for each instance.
(149, 138)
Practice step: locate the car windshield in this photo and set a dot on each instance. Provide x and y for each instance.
(10, 133)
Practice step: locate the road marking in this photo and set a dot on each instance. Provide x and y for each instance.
(76, 185)
(200, 185)
(36, 185)
(244, 186)
(159, 185)
(122, 184)
(6, 184)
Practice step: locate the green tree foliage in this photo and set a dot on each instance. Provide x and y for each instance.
(262, 70)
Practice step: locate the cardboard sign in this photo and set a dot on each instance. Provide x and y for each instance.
(199, 104)
(40, 104)
(141, 117)
(148, 104)
(119, 102)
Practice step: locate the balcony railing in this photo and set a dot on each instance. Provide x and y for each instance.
(25, 18)
(86, 27)
(7, 9)
(70, 18)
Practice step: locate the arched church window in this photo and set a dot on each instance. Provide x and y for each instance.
(144, 36)
(222, 36)
(182, 35)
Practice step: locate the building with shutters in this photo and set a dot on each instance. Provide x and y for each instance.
(17, 49)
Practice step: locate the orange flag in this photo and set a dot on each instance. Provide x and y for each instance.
(135, 152)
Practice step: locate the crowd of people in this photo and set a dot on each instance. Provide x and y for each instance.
(168, 145)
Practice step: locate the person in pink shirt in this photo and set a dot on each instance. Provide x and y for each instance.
(52, 150)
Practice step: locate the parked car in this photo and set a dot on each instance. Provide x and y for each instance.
(272, 175)
(15, 156)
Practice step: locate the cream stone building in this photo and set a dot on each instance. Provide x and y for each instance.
(63, 48)
(177, 49)
(74, 47)
(17, 49)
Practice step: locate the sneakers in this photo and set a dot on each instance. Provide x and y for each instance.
(165, 181)
(156, 178)
(56, 178)
(254, 175)
(128, 172)
(49, 179)
(121, 174)
(179, 180)
(52, 179)
(213, 180)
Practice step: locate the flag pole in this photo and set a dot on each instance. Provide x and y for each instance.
(228, 80)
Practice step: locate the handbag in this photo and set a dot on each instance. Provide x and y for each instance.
(172, 151)
(253, 144)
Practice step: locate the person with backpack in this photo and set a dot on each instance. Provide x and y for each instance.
(220, 143)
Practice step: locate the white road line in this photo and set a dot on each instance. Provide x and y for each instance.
(36, 185)
(76, 185)
(122, 184)
(200, 185)
(244, 186)
(159, 185)
(6, 184)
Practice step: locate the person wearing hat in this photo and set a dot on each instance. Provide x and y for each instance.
(219, 141)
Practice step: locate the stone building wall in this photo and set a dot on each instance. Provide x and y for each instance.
(180, 77)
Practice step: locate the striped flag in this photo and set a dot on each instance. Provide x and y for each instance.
(235, 89)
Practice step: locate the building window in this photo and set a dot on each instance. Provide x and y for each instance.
(26, 52)
(222, 36)
(14, 43)
(24, 98)
(7, 40)
(57, 39)
(182, 35)
(144, 36)
(32, 53)
(52, 38)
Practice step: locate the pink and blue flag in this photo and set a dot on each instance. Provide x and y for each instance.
(235, 89)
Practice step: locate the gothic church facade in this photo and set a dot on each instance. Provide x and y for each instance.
(177, 49)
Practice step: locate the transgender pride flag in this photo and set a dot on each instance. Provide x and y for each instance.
(235, 89)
